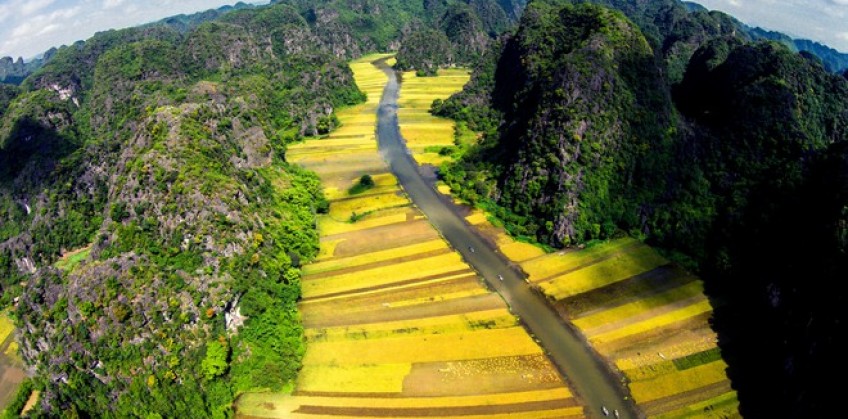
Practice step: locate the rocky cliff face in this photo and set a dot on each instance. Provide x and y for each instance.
(583, 103)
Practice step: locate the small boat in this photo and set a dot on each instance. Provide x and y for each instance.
(605, 410)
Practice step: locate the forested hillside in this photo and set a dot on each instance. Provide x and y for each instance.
(728, 153)
(163, 154)
(151, 231)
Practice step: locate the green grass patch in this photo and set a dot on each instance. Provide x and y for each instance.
(73, 259)
(697, 359)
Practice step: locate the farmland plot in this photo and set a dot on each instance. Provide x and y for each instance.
(397, 324)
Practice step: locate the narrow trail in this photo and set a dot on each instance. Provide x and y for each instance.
(585, 371)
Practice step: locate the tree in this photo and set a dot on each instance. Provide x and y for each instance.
(215, 364)
(366, 181)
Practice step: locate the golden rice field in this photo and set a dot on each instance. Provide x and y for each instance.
(646, 316)
(397, 324)
(11, 365)
(422, 131)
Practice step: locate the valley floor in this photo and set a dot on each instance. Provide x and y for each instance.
(398, 325)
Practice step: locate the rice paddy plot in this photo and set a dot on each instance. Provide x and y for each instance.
(479, 344)
(397, 324)
(421, 130)
(617, 267)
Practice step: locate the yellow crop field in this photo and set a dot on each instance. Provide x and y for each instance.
(12, 350)
(343, 209)
(444, 401)
(555, 263)
(693, 289)
(328, 248)
(327, 226)
(375, 378)
(418, 127)
(364, 259)
(617, 268)
(383, 276)
(520, 252)
(479, 344)
(696, 342)
(679, 382)
(6, 327)
(389, 306)
(440, 297)
(655, 322)
(457, 323)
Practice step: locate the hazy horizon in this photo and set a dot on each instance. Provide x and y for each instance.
(28, 28)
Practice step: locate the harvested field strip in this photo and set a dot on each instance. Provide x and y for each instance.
(724, 405)
(328, 248)
(383, 276)
(464, 411)
(490, 319)
(340, 263)
(682, 381)
(617, 268)
(383, 297)
(679, 330)
(354, 378)
(330, 227)
(327, 318)
(649, 315)
(633, 289)
(557, 394)
(644, 306)
(441, 297)
(556, 263)
(416, 284)
(396, 285)
(380, 263)
(697, 341)
(458, 346)
(690, 397)
(666, 319)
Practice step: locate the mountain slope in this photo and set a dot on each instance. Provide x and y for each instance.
(728, 170)
(171, 169)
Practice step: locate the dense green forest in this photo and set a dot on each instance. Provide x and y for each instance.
(160, 152)
(678, 128)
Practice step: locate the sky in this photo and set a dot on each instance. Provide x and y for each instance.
(825, 21)
(30, 27)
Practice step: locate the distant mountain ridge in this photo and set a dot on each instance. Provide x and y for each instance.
(833, 60)
(14, 71)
